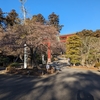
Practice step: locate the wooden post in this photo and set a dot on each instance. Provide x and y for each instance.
(49, 52)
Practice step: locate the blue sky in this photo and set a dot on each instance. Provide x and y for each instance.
(75, 15)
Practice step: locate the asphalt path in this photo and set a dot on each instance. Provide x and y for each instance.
(69, 84)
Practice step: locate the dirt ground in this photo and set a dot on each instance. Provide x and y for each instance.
(84, 68)
(43, 72)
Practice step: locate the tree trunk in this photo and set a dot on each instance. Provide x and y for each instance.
(16, 58)
(83, 60)
(20, 56)
(31, 57)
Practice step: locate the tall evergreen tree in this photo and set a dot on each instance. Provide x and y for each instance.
(54, 21)
(38, 18)
(97, 33)
(73, 49)
(12, 18)
(84, 33)
(2, 18)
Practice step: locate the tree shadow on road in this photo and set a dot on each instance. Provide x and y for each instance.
(68, 85)
(83, 82)
(84, 95)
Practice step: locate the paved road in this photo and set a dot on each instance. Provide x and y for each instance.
(69, 84)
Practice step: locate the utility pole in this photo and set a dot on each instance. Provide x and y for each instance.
(24, 17)
(23, 9)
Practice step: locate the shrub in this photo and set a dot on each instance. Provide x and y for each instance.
(14, 64)
(10, 69)
(97, 65)
(4, 61)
